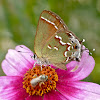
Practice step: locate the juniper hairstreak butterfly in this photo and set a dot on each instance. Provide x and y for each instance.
(54, 43)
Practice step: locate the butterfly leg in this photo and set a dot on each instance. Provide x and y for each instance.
(37, 63)
(41, 67)
(34, 64)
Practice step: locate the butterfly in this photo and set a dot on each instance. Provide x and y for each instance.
(54, 43)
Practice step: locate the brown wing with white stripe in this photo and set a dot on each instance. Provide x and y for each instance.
(49, 23)
(53, 41)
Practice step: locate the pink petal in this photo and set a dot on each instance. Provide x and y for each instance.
(25, 52)
(54, 95)
(16, 62)
(11, 88)
(85, 67)
(9, 69)
(79, 90)
(34, 98)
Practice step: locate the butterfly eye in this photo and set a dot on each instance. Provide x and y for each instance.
(35, 56)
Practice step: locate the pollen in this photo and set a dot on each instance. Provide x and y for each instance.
(39, 82)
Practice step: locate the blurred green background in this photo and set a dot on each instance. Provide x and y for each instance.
(19, 19)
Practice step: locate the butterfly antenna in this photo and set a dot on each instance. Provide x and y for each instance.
(25, 49)
(21, 46)
(24, 52)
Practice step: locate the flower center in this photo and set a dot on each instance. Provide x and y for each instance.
(39, 82)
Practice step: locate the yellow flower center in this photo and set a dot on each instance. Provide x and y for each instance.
(39, 82)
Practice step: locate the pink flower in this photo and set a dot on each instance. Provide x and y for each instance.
(68, 85)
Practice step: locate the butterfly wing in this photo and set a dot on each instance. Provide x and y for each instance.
(47, 26)
(52, 41)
